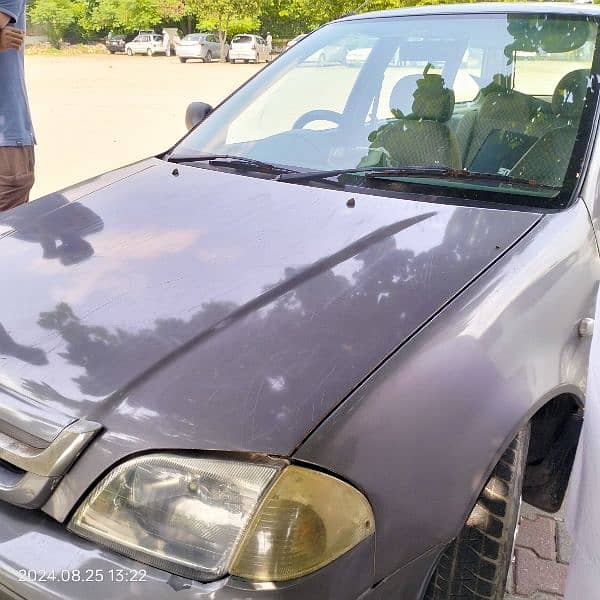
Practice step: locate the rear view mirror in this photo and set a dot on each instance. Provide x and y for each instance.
(196, 113)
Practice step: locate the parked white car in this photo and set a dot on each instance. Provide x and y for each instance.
(249, 48)
(146, 43)
(202, 46)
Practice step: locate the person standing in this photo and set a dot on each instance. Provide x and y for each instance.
(269, 43)
(166, 42)
(17, 139)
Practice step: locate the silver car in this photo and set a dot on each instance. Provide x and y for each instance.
(249, 48)
(146, 43)
(322, 347)
(200, 46)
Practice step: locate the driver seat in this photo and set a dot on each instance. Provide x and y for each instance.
(421, 138)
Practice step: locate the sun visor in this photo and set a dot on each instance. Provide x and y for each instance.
(546, 34)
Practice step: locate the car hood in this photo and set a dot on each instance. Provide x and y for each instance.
(192, 308)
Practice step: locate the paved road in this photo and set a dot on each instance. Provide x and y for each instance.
(541, 558)
(95, 113)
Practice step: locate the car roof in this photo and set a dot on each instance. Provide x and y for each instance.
(559, 8)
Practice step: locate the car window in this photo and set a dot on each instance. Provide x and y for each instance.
(242, 39)
(498, 95)
(535, 74)
(273, 116)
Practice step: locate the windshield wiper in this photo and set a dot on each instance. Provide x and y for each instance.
(433, 172)
(230, 160)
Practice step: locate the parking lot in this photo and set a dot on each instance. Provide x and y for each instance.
(94, 113)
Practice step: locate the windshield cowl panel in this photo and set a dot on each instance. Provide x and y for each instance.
(478, 103)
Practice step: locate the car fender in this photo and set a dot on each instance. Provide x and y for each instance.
(421, 435)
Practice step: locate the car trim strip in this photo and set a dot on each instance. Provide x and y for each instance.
(54, 460)
(29, 474)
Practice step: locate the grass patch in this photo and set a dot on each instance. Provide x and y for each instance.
(66, 50)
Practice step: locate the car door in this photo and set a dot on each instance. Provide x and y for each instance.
(143, 44)
(215, 45)
(210, 44)
(262, 49)
(135, 42)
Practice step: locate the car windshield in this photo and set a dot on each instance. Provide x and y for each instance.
(510, 95)
(194, 37)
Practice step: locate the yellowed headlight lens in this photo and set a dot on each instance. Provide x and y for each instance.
(305, 521)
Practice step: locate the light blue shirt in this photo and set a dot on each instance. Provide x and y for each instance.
(15, 120)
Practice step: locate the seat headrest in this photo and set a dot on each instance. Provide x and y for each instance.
(570, 93)
(430, 99)
(500, 84)
(401, 99)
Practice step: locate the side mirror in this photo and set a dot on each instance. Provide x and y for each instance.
(196, 113)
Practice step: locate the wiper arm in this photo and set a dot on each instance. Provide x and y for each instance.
(230, 160)
(434, 172)
(498, 178)
(369, 172)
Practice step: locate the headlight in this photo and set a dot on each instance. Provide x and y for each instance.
(205, 517)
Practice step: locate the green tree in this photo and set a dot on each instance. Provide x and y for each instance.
(57, 16)
(129, 15)
(222, 13)
(236, 25)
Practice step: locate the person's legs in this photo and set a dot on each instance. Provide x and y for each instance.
(16, 175)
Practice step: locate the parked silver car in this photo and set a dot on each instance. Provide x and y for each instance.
(248, 47)
(201, 46)
(322, 347)
(146, 43)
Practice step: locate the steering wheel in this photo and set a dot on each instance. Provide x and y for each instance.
(317, 115)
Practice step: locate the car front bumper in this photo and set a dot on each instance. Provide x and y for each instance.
(40, 559)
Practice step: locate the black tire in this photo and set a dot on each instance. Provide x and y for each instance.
(129, 52)
(208, 57)
(183, 60)
(475, 565)
(150, 52)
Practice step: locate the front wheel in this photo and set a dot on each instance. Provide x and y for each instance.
(475, 565)
(208, 57)
(183, 60)
(129, 52)
(150, 52)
